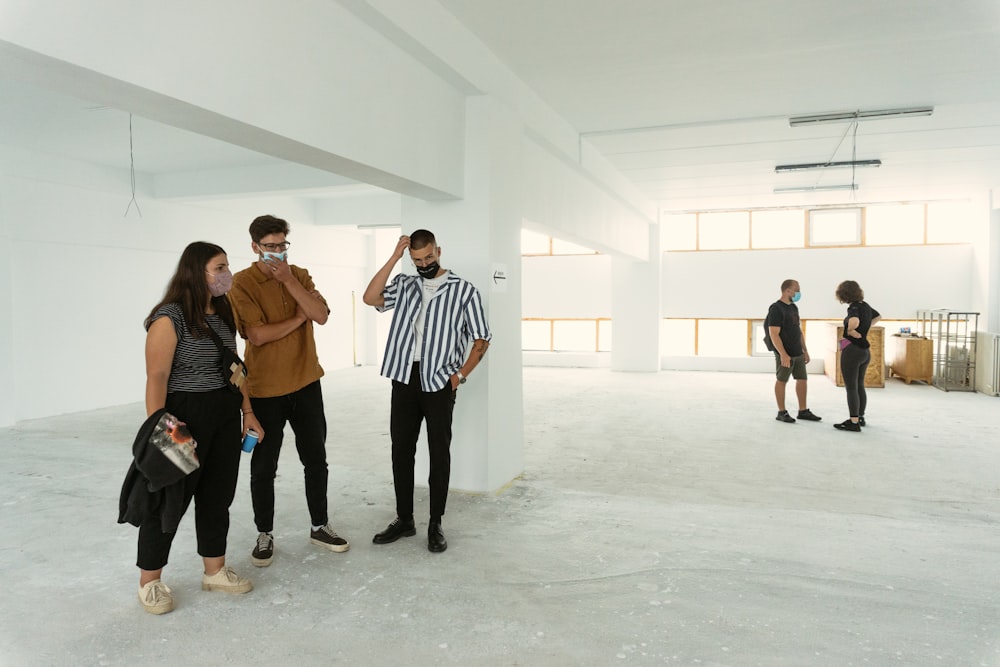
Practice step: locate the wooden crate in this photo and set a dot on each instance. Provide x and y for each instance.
(911, 358)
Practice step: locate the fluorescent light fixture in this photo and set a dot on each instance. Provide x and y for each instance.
(782, 168)
(816, 188)
(851, 116)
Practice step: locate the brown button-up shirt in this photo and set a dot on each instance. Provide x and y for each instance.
(282, 366)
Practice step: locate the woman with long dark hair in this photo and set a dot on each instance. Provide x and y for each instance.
(184, 375)
(855, 352)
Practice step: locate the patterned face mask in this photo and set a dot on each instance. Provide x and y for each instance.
(221, 282)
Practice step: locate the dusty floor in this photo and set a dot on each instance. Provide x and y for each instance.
(661, 519)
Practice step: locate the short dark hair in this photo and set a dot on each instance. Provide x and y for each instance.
(267, 224)
(788, 284)
(849, 292)
(421, 238)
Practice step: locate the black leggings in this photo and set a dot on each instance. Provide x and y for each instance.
(854, 362)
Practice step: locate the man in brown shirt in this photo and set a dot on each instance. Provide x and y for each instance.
(276, 304)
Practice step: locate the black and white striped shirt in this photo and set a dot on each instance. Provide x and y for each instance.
(454, 318)
(197, 364)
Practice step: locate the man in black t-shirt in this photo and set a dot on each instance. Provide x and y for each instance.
(790, 354)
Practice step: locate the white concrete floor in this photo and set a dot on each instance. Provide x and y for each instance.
(661, 519)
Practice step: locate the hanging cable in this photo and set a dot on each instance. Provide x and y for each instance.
(853, 125)
(854, 161)
(131, 157)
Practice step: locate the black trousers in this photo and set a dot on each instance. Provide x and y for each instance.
(854, 362)
(303, 410)
(410, 406)
(215, 423)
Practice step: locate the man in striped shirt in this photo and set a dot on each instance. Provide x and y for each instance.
(427, 358)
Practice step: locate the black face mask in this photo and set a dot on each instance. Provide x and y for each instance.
(428, 271)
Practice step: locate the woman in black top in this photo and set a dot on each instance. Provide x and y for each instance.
(184, 375)
(855, 353)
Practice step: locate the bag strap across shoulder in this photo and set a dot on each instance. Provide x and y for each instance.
(233, 367)
(216, 338)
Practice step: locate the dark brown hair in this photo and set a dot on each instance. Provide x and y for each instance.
(788, 284)
(267, 224)
(849, 292)
(189, 288)
(421, 238)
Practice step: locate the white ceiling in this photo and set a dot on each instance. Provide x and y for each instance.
(689, 100)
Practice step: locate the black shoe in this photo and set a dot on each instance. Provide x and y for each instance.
(435, 538)
(263, 552)
(848, 425)
(326, 537)
(808, 415)
(394, 531)
(783, 416)
(861, 421)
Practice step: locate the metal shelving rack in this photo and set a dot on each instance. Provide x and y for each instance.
(954, 336)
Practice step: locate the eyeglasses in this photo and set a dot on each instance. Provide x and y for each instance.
(275, 247)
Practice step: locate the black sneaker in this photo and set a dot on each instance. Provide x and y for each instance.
(848, 425)
(395, 530)
(808, 415)
(861, 421)
(325, 537)
(783, 416)
(263, 553)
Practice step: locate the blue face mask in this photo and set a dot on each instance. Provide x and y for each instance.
(796, 296)
(275, 256)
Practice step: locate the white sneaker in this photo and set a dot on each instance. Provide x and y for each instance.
(227, 581)
(155, 597)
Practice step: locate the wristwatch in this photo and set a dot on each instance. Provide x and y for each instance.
(461, 378)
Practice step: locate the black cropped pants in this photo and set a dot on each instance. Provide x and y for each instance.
(411, 405)
(214, 420)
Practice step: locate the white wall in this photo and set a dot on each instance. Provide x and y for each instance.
(897, 280)
(742, 284)
(566, 286)
(82, 278)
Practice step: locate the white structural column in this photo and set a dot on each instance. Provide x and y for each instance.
(993, 283)
(480, 241)
(636, 309)
(7, 387)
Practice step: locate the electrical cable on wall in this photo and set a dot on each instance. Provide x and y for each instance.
(132, 171)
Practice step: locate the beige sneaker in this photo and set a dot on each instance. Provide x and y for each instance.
(227, 581)
(155, 597)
